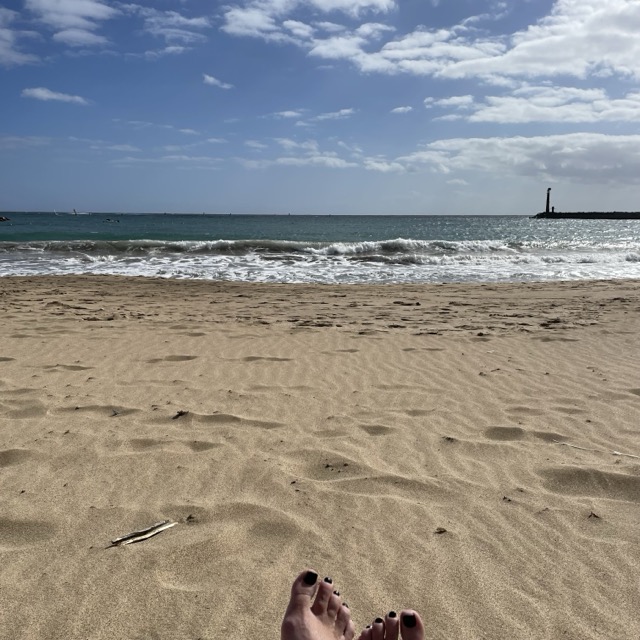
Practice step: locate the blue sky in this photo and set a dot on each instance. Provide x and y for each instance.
(320, 106)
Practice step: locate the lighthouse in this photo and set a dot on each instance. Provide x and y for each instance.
(548, 199)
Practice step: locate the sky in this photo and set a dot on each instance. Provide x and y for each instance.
(320, 106)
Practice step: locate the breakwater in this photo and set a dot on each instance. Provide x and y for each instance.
(589, 215)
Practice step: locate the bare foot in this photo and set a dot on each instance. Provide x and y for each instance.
(326, 618)
(408, 624)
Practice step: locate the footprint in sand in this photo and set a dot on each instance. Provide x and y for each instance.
(251, 530)
(22, 409)
(144, 444)
(549, 436)
(418, 413)
(172, 359)
(327, 434)
(592, 483)
(16, 534)
(376, 429)
(505, 433)
(67, 367)
(101, 409)
(524, 411)
(10, 457)
(570, 411)
(517, 433)
(6, 359)
(344, 475)
(228, 419)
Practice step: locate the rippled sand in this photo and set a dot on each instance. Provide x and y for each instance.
(337, 427)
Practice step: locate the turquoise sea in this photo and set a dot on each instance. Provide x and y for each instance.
(322, 249)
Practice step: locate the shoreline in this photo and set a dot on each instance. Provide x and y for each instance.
(340, 427)
(374, 306)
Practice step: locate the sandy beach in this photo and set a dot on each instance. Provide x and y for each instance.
(469, 451)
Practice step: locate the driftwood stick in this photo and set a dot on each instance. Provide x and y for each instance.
(143, 534)
(615, 453)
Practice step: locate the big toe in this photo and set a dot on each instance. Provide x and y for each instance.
(411, 626)
(303, 589)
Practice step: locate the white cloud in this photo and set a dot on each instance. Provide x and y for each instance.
(254, 22)
(401, 109)
(310, 146)
(339, 47)
(545, 103)
(587, 158)
(79, 38)
(40, 93)
(459, 102)
(335, 115)
(178, 160)
(291, 113)
(22, 142)
(254, 144)
(271, 19)
(74, 21)
(330, 27)
(214, 82)
(579, 38)
(381, 165)
(354, 7)
(10, 55)
(558, 104)
(171, 26)
(172, 50)
(126, 148)
(327, 160)
(299, 29)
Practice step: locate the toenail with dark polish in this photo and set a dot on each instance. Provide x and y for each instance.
(392, 614)
(336, 593)
(344, 604)
(379, 620)
(409, 620)
(310, 577)
(329, 580)
(368, 626)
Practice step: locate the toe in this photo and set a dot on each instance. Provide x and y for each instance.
(303, 589)
(377, 629)
(366, 633)
(334, 605)
(411, 626)
(323, 595)
(391, 626)
(343, 619)
(350, 633)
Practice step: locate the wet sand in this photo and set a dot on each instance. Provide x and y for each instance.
(448, 448)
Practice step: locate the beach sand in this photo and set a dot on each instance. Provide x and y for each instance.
(337, 427)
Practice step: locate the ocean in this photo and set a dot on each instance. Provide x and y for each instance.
(320, 249)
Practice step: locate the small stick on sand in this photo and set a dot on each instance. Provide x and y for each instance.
(142, 534)
(615, 453)
(627, 455)
(573, 446)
